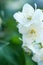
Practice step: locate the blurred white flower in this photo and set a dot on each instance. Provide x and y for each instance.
(38, 57)
(28, 15)
(0, 21)
(30, 25)
(33, 37)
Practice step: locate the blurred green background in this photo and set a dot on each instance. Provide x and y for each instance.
(11, 51)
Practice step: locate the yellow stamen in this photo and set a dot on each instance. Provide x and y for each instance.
(40, 45)
(41, 58)
(33, 31)
(29, 18)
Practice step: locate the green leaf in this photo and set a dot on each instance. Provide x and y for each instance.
(10, 25)
(29, 60)
(11, 54)
(10, 29)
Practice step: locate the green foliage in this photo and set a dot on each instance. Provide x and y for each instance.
(29, 60)
(12, 53)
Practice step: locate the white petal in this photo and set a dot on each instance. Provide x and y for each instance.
(28, 10)
(40, 63)
(19, 17)
(37, 15)
(28, 42)
(22, 29)
(42, 17)
(35, 58)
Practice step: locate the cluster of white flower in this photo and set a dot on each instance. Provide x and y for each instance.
(30, 25)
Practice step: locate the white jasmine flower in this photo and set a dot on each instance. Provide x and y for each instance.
(28, 15)
(33, 37)
(30, 25)
(38, 57)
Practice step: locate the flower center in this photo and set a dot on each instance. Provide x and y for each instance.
(33, 31)
(29, 18)
(42, 58)
(40, 45)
